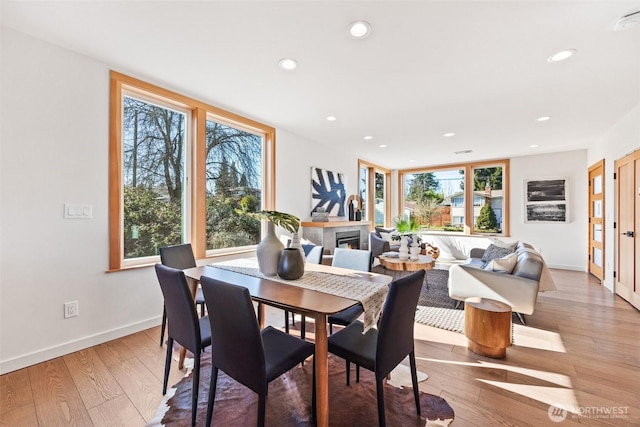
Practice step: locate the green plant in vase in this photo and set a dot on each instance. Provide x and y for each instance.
(406, 228)
(274, 258)
(289, 222)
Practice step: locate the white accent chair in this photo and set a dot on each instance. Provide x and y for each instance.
(354, 259)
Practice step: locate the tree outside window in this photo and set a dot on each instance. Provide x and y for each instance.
(153, 173)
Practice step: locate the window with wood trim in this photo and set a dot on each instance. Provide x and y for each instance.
(470, 198)
(183, 171)
(374, 189)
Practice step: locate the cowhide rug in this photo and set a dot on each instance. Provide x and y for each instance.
(289, 401)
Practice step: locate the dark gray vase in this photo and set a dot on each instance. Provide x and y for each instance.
(291, 264)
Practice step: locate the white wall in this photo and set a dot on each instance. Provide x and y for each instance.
(54, 150)
(620, 140)
(294, 159)
(563, 245)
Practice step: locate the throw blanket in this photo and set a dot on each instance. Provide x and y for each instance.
(370, 294)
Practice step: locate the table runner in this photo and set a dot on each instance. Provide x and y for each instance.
(370, 294)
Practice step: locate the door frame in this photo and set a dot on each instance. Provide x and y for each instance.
(597, 169)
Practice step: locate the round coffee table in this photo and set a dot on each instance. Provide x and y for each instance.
(424, 262)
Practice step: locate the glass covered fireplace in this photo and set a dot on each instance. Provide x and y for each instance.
(348, 239)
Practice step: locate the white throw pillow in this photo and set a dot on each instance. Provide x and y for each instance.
(387, 236)
(304, 241)
(506, 264)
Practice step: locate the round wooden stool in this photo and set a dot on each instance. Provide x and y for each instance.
(487, 326)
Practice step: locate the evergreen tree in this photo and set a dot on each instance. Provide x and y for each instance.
(487, 219)
(424, 187)
(487, 176)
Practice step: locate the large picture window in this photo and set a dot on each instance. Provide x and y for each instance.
(234, 186)
(183, 171)
(154, 146)
(465, 198)
(374, 189)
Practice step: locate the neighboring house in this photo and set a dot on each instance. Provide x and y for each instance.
(480, 198)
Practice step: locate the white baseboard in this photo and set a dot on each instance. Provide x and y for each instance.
(567, 267)
(49, 353)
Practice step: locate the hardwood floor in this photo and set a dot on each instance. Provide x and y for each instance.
(580, 349)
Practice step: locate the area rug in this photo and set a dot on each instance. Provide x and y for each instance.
(289, 401)
(435, 308)
(443, 318)
(434, 292)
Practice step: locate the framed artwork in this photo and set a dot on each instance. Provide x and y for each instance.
(328, 191)
(546, 200)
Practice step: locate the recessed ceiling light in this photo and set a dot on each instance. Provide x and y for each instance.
(463, 152)
(288, 64)
(368, 137)
(533, 146)
(448, 134)
(382, 145)
(359, 29)
(331, 118)
(562, 55)
(411, 161)
(543, 118)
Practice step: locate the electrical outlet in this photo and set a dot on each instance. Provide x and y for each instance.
(70, 309)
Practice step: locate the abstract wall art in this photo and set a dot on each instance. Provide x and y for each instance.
(328, 191)
(546, 200)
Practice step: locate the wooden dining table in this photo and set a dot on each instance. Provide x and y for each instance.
(311, 303)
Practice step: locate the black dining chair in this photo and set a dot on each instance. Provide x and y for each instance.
(184, 326)
(180, 257)
(354, 259)
(313, 255)
(251, 356)
(381, 350)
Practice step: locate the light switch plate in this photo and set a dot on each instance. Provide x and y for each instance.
(78, 211)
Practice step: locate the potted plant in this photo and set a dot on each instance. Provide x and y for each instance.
(405, 228)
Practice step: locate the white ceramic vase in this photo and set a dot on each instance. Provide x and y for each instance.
(295, 244)
(415, 249)
(268, 252)
(404, 248)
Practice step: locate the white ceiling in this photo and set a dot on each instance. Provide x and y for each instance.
(476, 68)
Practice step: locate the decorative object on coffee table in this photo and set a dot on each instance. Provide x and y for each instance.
(487, 326)
(415, 249)
(429, 249)
(405, 227)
